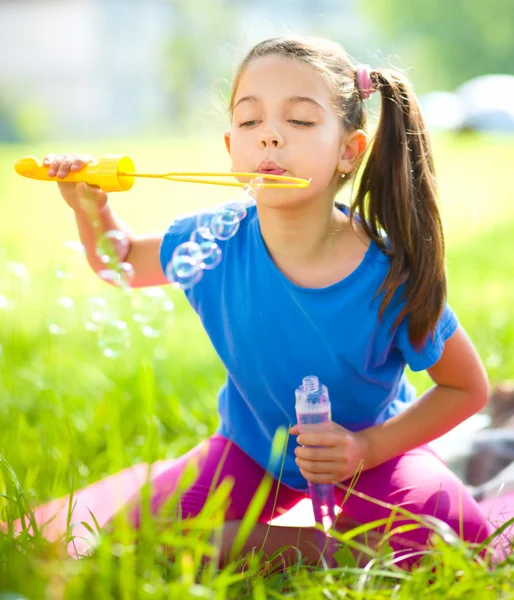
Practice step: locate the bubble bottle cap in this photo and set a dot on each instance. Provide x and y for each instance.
(311, 396)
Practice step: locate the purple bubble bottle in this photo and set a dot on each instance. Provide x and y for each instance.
(313, 413)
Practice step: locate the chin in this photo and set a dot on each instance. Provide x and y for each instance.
(282, 198)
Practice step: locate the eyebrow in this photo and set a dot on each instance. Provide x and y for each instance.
(290, 100)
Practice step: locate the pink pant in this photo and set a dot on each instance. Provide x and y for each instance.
(418, 481)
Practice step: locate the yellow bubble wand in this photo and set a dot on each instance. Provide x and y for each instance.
(118, 173)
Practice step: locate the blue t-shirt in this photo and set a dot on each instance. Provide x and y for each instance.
(270, 334)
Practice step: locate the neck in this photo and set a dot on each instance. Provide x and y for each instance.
(303, 234)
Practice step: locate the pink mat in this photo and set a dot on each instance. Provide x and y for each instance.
(107, 496)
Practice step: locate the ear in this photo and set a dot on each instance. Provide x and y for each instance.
(227, 140)
(353, 146)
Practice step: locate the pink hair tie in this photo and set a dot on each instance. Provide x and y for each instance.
(364, 83)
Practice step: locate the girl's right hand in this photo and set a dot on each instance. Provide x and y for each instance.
(59, 165)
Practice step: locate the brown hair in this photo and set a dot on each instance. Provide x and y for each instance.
(397, 191)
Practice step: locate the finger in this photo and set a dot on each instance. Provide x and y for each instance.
(55, 164)
(78, 163)
(318, 466)
(91, 193)
(316, 439)
(65, 165)
(48, 159)
(319, 477)
(294, 430)
(326, 439)
(318, 454)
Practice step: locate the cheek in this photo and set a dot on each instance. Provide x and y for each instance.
(238, 150)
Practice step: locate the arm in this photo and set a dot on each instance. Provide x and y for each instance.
(142, 252)
(461, 390)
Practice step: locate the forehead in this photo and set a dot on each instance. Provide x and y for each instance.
(280, 77)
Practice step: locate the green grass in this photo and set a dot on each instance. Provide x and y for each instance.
(69, 416)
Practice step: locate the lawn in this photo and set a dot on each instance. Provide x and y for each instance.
(70, 416)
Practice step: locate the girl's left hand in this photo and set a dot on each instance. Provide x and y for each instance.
(341, 454)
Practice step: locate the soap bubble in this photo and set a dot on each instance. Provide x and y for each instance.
(17, 279)
(63, 316)
(201, 252)
(66, 264)
(202, 234)
(113, 338)
(97, 312)
(239, 209)
(203, 220)
(14, 284)
(224, 224)
(112, 246)
(153, 311)
(61, 270)
(184, 272)
(188, 249)
(120, 275)
(253, 187)
(75, 246)
(6, 303)
(211, 255)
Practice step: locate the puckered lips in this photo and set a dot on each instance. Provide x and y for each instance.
(270, 168)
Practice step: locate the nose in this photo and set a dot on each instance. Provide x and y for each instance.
(271, 137)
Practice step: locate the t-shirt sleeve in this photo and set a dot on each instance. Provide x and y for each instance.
(427, 355)
(177, 233)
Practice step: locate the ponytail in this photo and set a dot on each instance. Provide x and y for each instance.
(398, 181)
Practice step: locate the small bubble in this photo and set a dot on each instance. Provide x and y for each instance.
(153, 311)
(188, 249)
(239, 209)
(14, 284)
(212, 255)
(120, 275)
(63, 316)
(184, 272)
(5, 303)
(75, 246)
(17, 270)
(203, 219)
(114, 338)
(201, 234)
(224, 224)
(112, 246)
(253, 187)
(97, 312)
(61, 270)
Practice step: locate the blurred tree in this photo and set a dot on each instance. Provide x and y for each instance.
(196, 53)
(446, 41)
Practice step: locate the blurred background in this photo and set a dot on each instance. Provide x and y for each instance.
(74, 69)
(151, 80)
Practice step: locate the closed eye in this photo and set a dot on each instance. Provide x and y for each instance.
(301, 123)
(305, 123)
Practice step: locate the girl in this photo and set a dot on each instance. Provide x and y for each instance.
(307, 286)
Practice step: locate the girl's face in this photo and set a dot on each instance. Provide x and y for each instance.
(283, 113)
